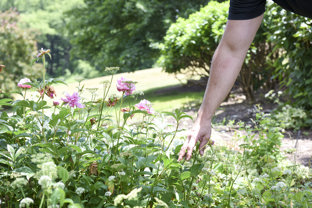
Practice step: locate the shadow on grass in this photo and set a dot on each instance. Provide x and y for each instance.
(172, 97)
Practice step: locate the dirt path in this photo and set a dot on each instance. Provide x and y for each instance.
(296, 146)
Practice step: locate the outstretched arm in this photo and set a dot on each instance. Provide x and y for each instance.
(226, 65)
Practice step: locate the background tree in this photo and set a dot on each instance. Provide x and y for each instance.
(48, 23)
(16, 52)
(121, 33)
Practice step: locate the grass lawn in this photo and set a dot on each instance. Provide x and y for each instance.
(161, 88)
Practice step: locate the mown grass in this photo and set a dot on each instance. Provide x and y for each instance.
(163, 90)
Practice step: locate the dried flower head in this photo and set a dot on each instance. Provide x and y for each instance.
(2, 67)
(92, 121)
(112, 101)
(42, 52)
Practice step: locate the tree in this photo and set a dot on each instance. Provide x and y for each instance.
(121, 33)
(48, 23)
(16, 52)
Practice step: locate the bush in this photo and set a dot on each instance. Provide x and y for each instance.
(190, 44)
(292, 33)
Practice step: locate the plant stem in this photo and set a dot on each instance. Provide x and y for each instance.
(41, 203)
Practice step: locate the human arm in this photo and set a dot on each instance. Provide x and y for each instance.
(225, 67)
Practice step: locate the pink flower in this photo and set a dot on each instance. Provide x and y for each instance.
(22, 84)
(56, 103)
(73, 100)
(125, 85)
(145, 105)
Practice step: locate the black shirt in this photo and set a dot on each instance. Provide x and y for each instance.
(248, 9)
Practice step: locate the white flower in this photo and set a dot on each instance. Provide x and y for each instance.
(45, 181)
(276, 169)
(264, 176)
(59, 185)
(49, 169)
(19, 182)
(122, 173)
(26, 202)
(287, 172)
(111, 178)
(278, 186)
(257, 180)
(80, 190)
(108, 193)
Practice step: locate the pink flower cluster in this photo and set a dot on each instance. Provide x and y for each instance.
(73, 100)
(23, 83)
(145, 105)
(125, 85)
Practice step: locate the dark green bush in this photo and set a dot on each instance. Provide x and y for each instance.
(190, 44)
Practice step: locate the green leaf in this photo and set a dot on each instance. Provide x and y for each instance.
(185, 175)
(58, 197)
(11, 151)
(195, 169)
(62, 173)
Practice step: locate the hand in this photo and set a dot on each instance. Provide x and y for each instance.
(201, 132)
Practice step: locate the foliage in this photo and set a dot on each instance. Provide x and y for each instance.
(47, 22)
(16, 50)
(120, 33)
(190, 43)
(293, 34)
(60, 156)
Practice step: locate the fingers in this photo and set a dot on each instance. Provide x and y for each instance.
(203, 145)
(183, 149)
(190, 148)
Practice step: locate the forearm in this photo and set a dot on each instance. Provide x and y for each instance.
(225, 68)
(227, 63)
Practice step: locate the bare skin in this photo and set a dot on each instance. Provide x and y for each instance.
(226, 65)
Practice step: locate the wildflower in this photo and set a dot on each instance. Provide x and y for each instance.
(111, 178)
(45, 181)
(42, 52)
(125, 85)
(80, 190)
(287, 172)
(122, 173)
(56, 103)
(59, 184)
(2, 67)
(26, 202)
(278, 186)
(50, 91)
(49, 169)
(22, 83)
(145, 105)
(112, 101)
(73, 100)
(19, 182)
(108, 193)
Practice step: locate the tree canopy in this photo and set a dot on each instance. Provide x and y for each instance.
(122, 33)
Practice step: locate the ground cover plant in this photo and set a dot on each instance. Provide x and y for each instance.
(71, 153)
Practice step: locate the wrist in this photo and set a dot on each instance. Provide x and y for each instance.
(204, 115)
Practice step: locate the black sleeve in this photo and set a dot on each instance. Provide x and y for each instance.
(246, 9)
